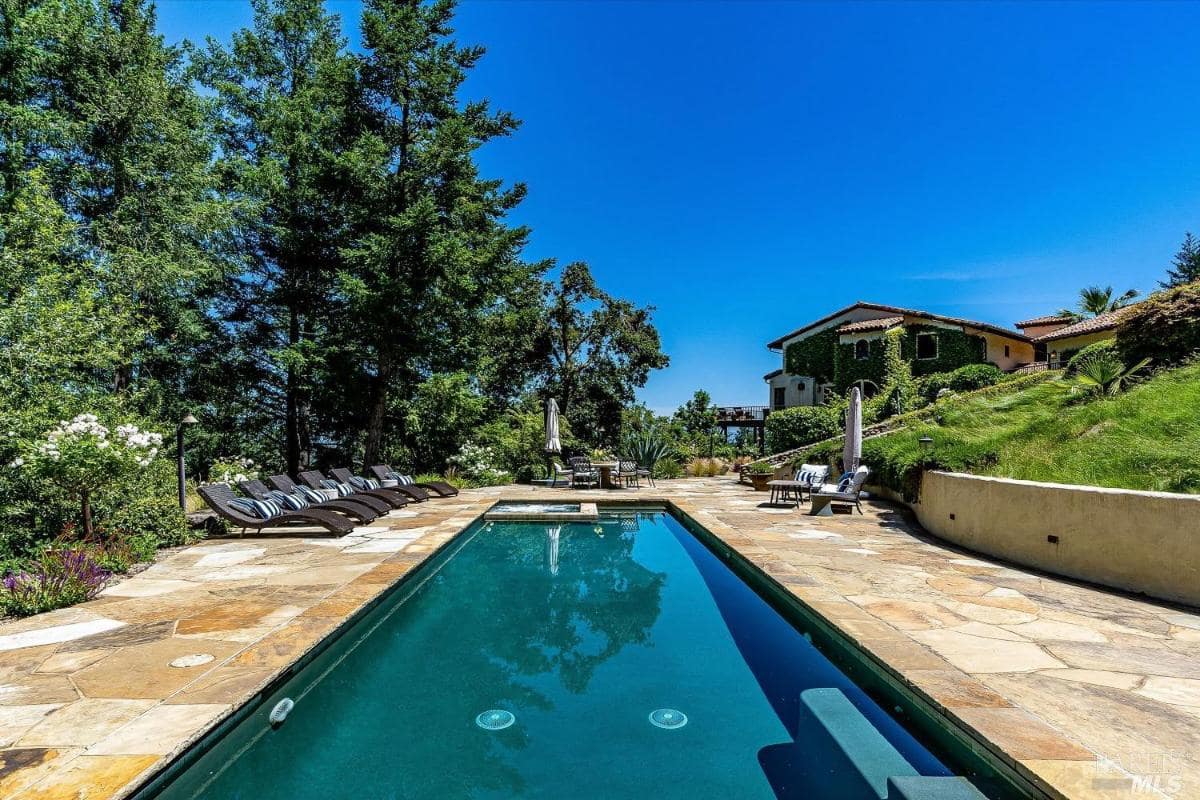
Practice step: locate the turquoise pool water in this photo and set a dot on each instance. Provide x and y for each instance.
(586, 645)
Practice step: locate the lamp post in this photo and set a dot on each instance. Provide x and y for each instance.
(181, 471)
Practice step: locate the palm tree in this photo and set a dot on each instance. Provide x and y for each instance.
(1094, 301)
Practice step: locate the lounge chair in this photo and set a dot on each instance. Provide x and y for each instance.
(257, 514)
(415, 494)
(846, 491)
(384, 472)
(806, 479)
(285, 484)
(299, 500)
(315, 479)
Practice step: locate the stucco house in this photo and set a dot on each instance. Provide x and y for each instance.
(847, 348)
(1056, 338)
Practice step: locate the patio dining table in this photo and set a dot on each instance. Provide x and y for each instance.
(606, 468)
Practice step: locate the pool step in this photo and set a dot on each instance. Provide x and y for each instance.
(872, 755)
(921, 787)
(881, 765)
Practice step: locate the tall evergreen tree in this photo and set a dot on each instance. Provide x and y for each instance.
(433, 257)
(286, 89)
(1185, 267)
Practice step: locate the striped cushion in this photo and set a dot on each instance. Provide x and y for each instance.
(243, 505)
(342, 489)
(262, 509)
(292, 502)
(311, 495)
(364, 484)
(403, 480)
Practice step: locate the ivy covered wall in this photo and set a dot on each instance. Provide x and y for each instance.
(815, 356)
(823, 358)
(955, 349)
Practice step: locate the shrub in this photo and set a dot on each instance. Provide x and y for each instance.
(647, 447)
(975, 376)
(964, 379)
(1164, 328)
(83, 459)
(59, 578)
(233, 470)
(1108, 347)
(668, 468)
(480, 466)
(759, 468)
(707, 467)
(1104, 375)
(155, 516)
(801, 425)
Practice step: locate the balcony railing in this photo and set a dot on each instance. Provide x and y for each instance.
(747, 414)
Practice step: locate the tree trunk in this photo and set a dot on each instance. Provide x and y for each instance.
(86, 509)
(292, 391)
(378, 414)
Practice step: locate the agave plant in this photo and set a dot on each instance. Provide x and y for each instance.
(647, 447)
(1104, 374)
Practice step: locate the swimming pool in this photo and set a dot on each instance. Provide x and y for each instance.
(620, 658)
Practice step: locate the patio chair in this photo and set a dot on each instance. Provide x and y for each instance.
(846, 492)
(258, 514)
(583, 474)
(647, 473)
(315, 479)
(627, 473)
(303, 498)
(415, 494)
(384, 472)
(560, 474)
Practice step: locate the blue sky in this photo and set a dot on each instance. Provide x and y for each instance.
(748, 167)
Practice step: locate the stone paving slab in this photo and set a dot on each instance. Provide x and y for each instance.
(1088, 692)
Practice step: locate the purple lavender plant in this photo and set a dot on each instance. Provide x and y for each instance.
(59, 578)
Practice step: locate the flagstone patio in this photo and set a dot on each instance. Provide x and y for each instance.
(1093, 693)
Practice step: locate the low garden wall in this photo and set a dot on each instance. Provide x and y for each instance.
(1145, 542)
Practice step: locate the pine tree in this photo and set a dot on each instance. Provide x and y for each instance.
(286, 88)
(433, 258)
(1186, 264)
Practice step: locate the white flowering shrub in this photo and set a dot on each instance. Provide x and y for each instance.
(478, 465)
(85, 457)
(233, 470)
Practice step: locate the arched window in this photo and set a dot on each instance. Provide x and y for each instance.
(868, 388)
(862, 350)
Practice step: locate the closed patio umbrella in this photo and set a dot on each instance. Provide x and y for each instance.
(852, 453)
(553, 444)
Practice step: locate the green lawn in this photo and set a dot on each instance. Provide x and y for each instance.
(1146, 438)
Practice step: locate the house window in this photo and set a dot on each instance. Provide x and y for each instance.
(927, 346)
(1006, 351)
(862, 350)
(800, 386)
(779, 397)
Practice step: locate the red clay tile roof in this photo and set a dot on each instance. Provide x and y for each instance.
(908, 312)
(1049, 319)
(881, 324)
(1103, 322)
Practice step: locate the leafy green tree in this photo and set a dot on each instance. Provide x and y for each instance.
(601, 350)
(1185, 267)
(432, 256)
(286, 89)
(1094, 301)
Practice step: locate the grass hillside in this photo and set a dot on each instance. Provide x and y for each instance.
(1145, 438)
